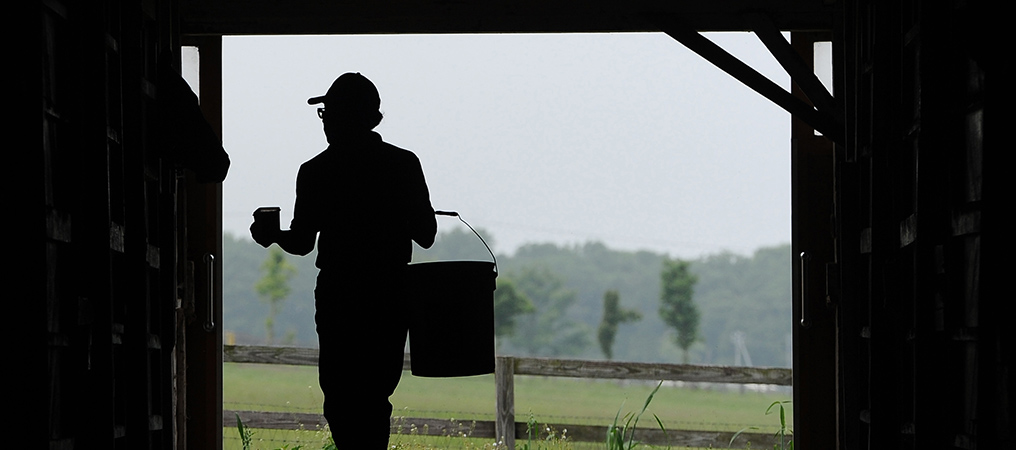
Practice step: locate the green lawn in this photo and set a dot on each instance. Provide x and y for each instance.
(549, 400)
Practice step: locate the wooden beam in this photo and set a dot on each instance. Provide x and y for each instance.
(272, 17)
(573, 368)
(800, 73)
(677, 29)
(577, 368)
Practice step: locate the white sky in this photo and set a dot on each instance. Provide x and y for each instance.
(628, 139)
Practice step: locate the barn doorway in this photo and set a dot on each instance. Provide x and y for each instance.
(488, 115)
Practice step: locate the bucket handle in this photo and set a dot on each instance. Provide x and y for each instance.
(455, 214)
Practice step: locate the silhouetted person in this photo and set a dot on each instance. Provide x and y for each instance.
(365, 201)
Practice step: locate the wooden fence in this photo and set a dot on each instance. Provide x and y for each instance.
(506, 368)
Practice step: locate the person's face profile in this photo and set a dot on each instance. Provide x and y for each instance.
(328, 121)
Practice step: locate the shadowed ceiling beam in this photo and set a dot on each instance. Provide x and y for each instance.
(275, 17)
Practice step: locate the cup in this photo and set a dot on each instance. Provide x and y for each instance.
(267, 218)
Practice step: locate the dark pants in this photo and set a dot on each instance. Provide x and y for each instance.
(362, 324)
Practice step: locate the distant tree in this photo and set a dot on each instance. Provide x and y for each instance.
(550, 331)
(273, 287)
(613, 315)
(508, 304)
(678, 309)
(746, 293)
(733, 292)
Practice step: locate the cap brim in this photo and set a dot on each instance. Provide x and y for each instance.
(316, 100)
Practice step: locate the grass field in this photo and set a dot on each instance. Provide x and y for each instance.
(549, 400)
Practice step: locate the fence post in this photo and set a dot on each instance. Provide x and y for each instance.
(504, 382)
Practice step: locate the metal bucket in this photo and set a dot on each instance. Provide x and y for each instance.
(451, 325)
(451, 328)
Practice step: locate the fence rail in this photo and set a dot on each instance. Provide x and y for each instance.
(506, 368)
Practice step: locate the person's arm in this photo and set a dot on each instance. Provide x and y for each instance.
(422, 223)
(295, 242)
(302, 235)
(292, 241)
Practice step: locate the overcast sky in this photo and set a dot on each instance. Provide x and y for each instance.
(627, 139)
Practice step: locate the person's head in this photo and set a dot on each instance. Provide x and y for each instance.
(352, 103)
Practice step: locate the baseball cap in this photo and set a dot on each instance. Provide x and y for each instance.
(350, 91)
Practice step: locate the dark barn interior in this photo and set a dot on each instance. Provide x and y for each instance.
(893, 345)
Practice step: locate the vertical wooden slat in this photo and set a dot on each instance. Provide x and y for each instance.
(917, 360)
(504, 382)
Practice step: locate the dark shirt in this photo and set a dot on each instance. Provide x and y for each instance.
(368, 200)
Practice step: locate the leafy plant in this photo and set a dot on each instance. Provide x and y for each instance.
(531, 429)
(553, 440)
(246, 434)
(617, 434)
(781, 433)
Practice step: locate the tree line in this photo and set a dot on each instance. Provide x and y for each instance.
(563, 300)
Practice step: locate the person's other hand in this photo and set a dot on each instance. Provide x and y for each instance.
(262, 235)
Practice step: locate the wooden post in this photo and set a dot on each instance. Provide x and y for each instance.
(201, 236)
(504, 382)
(815, 344)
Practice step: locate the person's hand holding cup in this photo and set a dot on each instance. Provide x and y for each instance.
(265, 229)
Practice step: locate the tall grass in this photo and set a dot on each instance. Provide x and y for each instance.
(626, 427)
